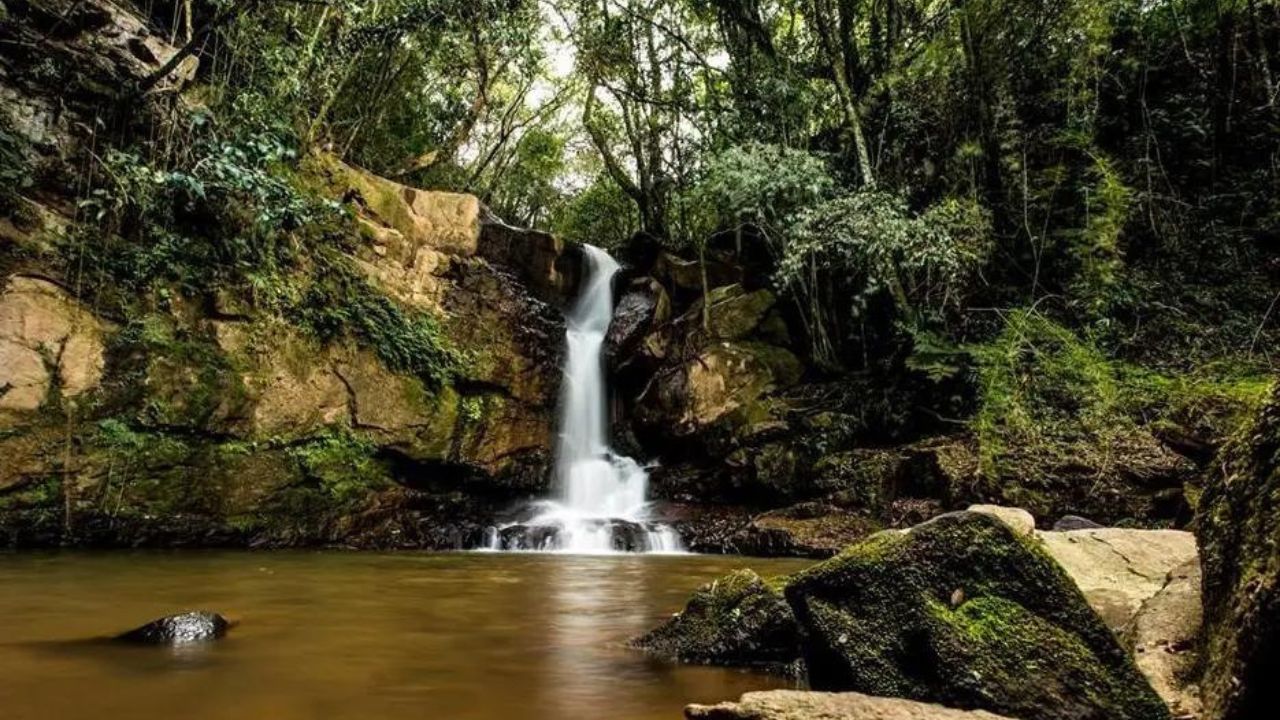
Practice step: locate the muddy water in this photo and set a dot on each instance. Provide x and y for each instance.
(367, 636)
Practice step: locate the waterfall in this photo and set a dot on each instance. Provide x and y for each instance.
(602, 505)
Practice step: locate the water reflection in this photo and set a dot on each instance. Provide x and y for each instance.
(463, 636)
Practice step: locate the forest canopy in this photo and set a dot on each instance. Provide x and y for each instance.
(916, 168)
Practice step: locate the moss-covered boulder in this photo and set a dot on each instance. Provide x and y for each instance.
(739, 619)
(962, 611)
(1239, 535)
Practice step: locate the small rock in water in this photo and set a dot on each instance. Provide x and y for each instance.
(181, 629)
(1075, 522)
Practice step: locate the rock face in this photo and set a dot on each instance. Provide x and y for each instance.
(88, 51)
(1238, 528)
(192, 627)
(961, 611)
(956, 611)
(797, 705)
(736, 620)
(51, 347)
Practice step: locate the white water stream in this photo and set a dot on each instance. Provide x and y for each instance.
(602, 494)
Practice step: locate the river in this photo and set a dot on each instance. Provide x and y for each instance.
(333, 635)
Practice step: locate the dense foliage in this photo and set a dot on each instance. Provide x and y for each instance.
(935, 182)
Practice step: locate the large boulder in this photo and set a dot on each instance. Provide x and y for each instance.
(1118, 569)
(732, 312)
(739, 619)
(962, 611)
(801, 705)
(1239, 533)
(51, 347)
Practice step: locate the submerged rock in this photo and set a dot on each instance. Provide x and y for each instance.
(800, 705)
(181, 629)
(739, 619)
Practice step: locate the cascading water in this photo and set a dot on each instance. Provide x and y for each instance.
(602, 506)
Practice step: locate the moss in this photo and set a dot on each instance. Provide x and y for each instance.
(739, 619)
(343, 464)
(1061, 427)
(1237, 528)
(167, 376)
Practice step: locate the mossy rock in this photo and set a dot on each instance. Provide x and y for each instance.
(960, 611)
(739, 619)
(1238, 528)
(733, 313)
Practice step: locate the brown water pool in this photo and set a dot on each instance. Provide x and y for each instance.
(344, 635)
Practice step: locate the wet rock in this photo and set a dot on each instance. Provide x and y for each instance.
(801, 705)
(545, 263)
(1238, 526)
(740, 619)
(1119, 569)
(641, 309)
(1074, 522)
(625, 535)
(1163, 638)
(956, 611)
(191, 627)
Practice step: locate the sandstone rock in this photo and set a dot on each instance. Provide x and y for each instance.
(192, 627)
(1239, 532)
(46, 336)
(801, 705)
(725, 381)
(95, 48)
(448, 223)
(683, 278)
(1019, 520)
(963, 611)
(1119, 569)
(549, 267)
(733, 313)
(513, 342)
(739, 619)
(1162, 637)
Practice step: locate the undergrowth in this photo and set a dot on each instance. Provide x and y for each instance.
(1045, 389)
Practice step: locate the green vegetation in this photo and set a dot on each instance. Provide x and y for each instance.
(1049, 392)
